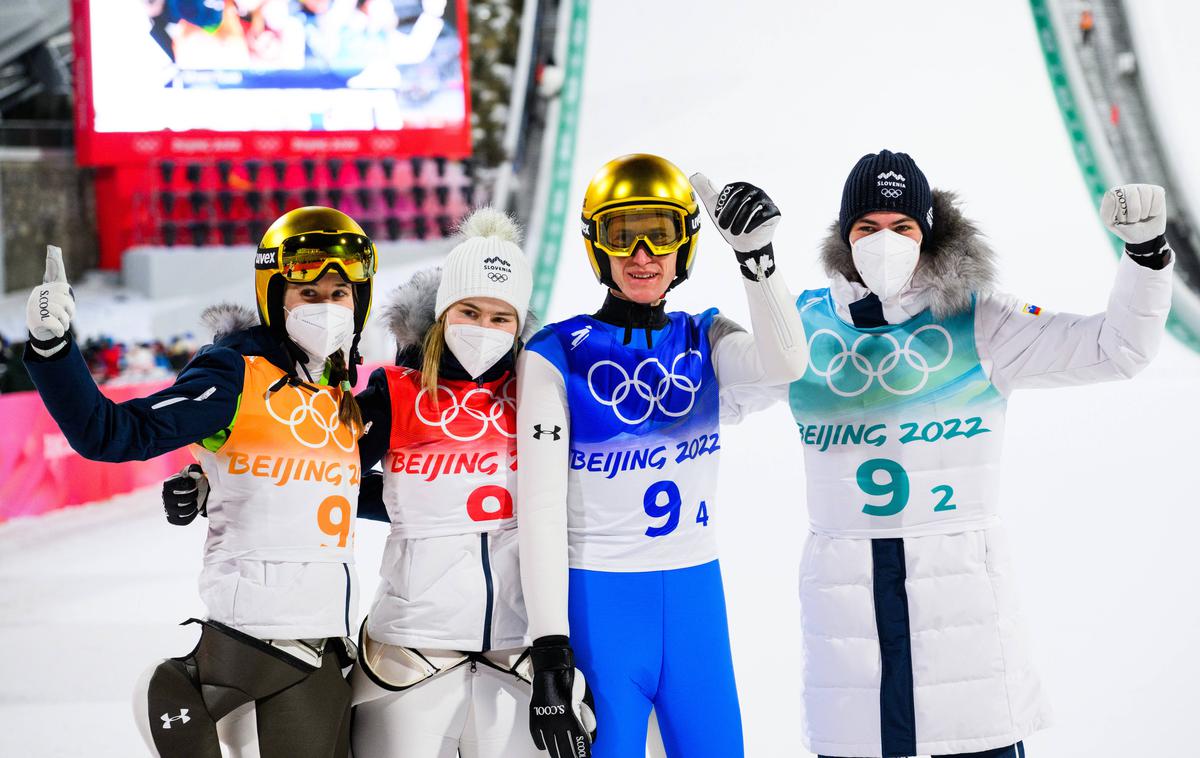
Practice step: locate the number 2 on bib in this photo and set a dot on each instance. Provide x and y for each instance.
(896, 487)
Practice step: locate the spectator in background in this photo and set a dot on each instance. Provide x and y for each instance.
(13, 376)
(107, 361)
(371, 42)
(323, 23)
(203, 44)
(1087, 22)
(274, 37)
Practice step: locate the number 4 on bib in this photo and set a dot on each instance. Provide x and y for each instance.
(702, 514)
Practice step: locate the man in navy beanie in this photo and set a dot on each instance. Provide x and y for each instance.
(913, 639)
(886, 181)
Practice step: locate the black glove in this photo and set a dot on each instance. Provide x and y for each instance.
(185, 494)
(746, 217)
(561, 712)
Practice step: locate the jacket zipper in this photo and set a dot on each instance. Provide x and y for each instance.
(487, 579)
(785, 334)
(349, 592)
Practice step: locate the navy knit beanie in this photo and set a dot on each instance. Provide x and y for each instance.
(886, 181)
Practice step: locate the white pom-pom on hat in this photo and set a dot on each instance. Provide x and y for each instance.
(489, 222)
(487, 262)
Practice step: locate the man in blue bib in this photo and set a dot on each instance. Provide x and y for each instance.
(618, 417)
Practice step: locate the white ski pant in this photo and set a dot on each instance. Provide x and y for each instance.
(472, 711)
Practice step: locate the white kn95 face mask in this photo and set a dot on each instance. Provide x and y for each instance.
(886, 261)
(320, 329)
(477, 348)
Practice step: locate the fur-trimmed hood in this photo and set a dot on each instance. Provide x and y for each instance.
(225, 319)
(409, 312)
(237, 328)
(955, 260)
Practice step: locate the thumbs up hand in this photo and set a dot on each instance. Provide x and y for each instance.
(746, 217)
(52, 303)
(743, 213)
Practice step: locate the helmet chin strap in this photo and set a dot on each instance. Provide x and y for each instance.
(353, 359)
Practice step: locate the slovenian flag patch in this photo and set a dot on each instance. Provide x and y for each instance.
(1032, 310)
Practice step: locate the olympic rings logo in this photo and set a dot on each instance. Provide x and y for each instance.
(497, 276)
(306, 415)
(655, 394)
(500, 415)
(891, 192)
(850, 356)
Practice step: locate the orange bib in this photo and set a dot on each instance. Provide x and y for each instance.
(285, 484)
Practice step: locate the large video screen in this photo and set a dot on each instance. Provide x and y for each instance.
(239, 77)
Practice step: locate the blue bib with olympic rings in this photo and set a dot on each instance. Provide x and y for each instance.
(644, 441)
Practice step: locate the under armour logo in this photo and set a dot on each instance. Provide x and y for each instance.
(538, 431)
(182, 718)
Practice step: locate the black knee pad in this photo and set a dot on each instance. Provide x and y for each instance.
(179, 721)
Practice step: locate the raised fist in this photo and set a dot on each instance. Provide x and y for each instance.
(1136, 213)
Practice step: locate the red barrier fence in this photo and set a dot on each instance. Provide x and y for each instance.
(39, 471)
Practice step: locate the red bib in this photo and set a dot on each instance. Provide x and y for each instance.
(452, 458)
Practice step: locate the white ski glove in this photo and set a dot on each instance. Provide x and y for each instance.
(746, 218)
(51, 306)
(1136, 213)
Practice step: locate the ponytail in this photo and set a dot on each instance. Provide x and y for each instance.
(435, 343)
(349, 413)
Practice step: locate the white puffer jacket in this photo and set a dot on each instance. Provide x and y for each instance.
(447, 583)
(972, 685)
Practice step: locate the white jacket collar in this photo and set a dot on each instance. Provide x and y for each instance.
(906, 304)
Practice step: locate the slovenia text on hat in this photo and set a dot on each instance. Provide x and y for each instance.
(886, 181)
(487, 262)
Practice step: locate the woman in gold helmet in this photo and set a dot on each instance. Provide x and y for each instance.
(269, 413)
(618, 552)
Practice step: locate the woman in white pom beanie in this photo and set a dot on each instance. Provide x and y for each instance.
(483, 297)
(443, 668)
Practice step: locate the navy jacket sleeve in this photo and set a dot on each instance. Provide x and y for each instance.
(376, 406)
(370, 498)
(202, 402)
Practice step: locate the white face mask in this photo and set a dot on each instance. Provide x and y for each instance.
(321, 329)
(477, 348)
(886, 261)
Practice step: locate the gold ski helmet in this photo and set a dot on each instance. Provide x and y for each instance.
(304, 244)
(650, 195)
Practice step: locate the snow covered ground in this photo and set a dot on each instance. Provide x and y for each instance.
(1100, 497)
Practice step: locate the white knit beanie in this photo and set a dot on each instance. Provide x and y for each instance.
(488, 262)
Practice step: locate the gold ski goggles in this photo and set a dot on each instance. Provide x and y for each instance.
(663, 229)
(306, 257)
